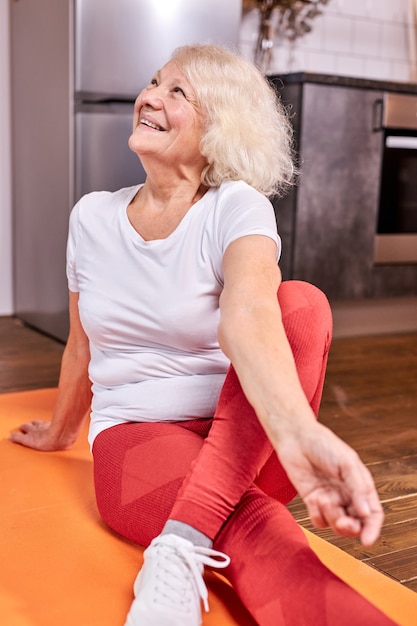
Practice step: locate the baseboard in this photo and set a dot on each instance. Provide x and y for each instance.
(374, 317)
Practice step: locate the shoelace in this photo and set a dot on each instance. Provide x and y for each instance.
(194, 558)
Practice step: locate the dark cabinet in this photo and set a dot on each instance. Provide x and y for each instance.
(328, 221)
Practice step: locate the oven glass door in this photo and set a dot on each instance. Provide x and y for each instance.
(398, 197)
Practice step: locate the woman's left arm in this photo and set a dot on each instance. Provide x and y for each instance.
(336, 487)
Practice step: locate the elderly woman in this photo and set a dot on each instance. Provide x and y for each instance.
(204, 386)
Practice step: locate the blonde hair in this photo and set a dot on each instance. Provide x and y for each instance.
(248, 134)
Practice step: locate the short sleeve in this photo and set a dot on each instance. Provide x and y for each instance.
(247, 212)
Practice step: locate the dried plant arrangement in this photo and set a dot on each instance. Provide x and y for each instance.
(294, 17)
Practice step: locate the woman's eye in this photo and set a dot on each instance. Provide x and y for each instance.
(153, 81)
(179, 90)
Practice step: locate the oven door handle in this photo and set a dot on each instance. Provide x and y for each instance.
(377, 114)
(396, 141)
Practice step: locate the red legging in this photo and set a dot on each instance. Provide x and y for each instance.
(222, 477)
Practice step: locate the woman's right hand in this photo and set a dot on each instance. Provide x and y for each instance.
(74, 395)
(40, 435)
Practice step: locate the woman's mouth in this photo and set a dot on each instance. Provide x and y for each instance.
(150, 124)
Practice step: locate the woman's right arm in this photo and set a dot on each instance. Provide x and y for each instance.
(74, 394)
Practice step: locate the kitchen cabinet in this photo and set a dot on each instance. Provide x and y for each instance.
(328, 221)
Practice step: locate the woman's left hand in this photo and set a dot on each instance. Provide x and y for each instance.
(336, 487)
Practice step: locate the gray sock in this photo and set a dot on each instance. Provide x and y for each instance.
(186, 531)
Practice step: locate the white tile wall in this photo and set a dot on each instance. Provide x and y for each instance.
(372, 39)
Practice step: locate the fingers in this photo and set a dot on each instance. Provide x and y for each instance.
(366, 528)
(366, 505)
(348, 526)
(348, 509)
(24, 435)
(326, 510)
(371, 514)
(346, 522)
(320, 507)
(34, 426)
(372, 527)
(17, 437)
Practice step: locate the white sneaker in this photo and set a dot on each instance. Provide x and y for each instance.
(170, 584)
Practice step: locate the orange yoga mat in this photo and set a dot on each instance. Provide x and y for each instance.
(60, 565)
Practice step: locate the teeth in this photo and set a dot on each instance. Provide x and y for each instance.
(150, 124)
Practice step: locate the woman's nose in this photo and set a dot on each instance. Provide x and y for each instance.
(153, 96)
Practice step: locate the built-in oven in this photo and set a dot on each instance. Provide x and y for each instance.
(396, 236)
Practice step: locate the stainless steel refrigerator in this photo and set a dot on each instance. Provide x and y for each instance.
(76, 68)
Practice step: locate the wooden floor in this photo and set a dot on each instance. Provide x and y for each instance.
(370, 400)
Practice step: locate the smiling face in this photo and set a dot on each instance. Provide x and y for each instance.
(167, 122)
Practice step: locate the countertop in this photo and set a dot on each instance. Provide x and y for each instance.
(342, 81)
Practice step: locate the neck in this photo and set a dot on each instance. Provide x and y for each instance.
(156, 212)
(165, 180)
(169, 187)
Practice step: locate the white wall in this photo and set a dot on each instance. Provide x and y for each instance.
(6, 296)
(360, 38)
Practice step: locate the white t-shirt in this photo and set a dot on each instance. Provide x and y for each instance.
(151, 308)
